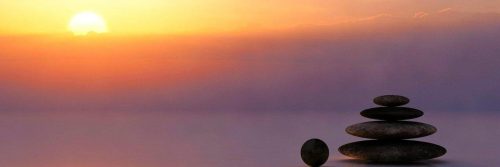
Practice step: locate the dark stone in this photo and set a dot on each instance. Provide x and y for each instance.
(391, 100)
(391, 130)
(392, 113)
(392, 151)
(314, 152)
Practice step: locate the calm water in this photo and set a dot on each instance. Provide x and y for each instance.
(215, 139)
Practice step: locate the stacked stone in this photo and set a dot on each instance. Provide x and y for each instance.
(390, 134)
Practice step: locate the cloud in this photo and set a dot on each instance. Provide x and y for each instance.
(420, 15)
(378, 16)
(445, 10)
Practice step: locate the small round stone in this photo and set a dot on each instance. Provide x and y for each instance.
(314, 152)
(392, 113)
(391, 100)
(391, 130)
(392, 151)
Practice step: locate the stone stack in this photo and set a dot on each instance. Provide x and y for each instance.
(390, 134)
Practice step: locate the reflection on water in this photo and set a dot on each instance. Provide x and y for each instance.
(350, 162)
(213, 139)
(357, 163)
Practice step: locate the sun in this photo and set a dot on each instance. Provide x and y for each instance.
(87, 22)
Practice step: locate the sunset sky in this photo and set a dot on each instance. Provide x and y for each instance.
(212, 16)
(185, 83)
(255, 55)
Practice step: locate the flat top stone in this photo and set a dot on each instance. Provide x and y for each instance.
(392, 151)
(392, 113)
(391, 130)
(391, 100)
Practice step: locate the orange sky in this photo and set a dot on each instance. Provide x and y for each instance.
(135, 98)
(208, 16)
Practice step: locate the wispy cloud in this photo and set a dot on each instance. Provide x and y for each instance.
(378, 16)
(420, 15)
(444, 10)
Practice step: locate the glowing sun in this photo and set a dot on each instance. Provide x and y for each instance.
(87, 22)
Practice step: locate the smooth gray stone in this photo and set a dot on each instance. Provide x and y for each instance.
(392, 151)
(314, 152)
(391, 130)
(391, 100)
(392, 113)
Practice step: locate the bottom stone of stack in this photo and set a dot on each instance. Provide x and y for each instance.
(392, 151)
